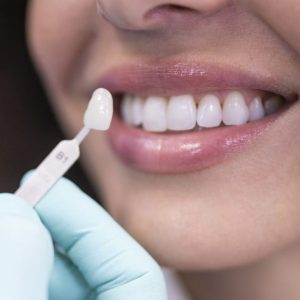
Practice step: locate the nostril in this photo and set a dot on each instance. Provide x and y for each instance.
(176, 8)
(168, 9)
(140, 15)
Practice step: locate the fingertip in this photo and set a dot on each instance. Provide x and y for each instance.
(64, 195)
(21, 225)
(26, 248)
(26, 176)
(11, 204)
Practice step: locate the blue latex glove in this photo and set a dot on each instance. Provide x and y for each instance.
(26, 251)
(102, 261)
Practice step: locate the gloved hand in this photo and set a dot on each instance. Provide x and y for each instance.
(101, 260)
(26, 251)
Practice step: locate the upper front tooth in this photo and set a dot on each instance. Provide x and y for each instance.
(181, 113)
(209, 112)
(154, 114)
(126, 110)
(273, 104)
(235, 110)
(256, 109)
(136, 111)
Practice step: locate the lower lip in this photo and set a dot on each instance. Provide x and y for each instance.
(183, 152)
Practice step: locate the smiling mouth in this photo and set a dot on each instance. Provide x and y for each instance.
(179, 118)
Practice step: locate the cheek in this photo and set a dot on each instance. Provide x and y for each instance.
(57, 34)
(227, 216)
(281, 16)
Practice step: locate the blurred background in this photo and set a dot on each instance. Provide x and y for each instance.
(28, 130)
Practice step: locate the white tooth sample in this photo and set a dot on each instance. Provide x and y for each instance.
(126, 108)
(155, 114)
(181, 113)
(137, 111)
(256, 109)
(209, 112)
(273, 104)
(235, 110)
(99, 112)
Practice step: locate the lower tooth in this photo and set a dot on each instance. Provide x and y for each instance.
(273, 104)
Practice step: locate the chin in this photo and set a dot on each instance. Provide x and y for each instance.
(199, 221)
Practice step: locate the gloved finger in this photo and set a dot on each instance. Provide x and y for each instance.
(66, 282)
(114, 265)
(26, 251)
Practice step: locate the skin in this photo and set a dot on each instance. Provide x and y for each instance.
(232, 230)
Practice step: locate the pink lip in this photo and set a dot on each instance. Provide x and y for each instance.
(179, 78)
(189, 151)
(181, 152)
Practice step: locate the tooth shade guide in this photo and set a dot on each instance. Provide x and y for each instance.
(97, 116)
(99, 112)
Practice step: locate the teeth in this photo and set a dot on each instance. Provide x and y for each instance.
(235, 110)
(256, 109)
(273, 104)
(209, 112)
(136, 111)
(181, 113)
(154, 114)
(126, 109)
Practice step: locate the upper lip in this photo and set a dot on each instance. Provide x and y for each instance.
(174, 78)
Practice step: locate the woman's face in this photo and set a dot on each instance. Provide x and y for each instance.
(196, 199)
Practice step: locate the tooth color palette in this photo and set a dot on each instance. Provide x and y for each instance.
(97, 116)
(100, 110)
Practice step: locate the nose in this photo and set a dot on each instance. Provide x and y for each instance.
(146, 14)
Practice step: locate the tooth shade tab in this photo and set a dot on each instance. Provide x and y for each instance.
(99, 112)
